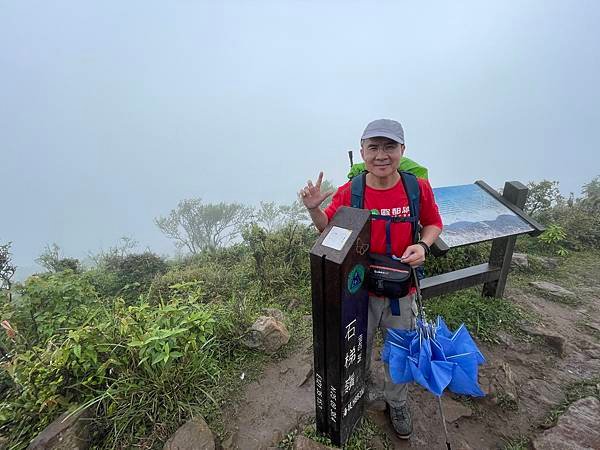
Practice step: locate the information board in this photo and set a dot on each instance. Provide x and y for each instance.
(470, 214)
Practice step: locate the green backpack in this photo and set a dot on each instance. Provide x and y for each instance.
(406, 165)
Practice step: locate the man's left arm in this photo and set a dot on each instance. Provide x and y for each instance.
(415, 254)
(432, 227)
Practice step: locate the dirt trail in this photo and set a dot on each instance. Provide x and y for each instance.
(535, 372)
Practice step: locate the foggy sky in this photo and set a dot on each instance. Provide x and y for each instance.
(112, 112)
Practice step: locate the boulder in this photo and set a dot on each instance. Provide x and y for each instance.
(542, 393)
(552, 340)
(576, 429)
(551, 289)
(519, 261)
(275, 313)
(68, 432)
(267, 334)
(192, 435)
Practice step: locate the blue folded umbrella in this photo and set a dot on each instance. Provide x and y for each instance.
(434, 357)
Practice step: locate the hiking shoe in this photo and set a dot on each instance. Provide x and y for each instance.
(401, 421)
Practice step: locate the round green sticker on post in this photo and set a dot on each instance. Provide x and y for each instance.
(356, 278)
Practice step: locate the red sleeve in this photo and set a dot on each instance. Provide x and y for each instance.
(340, 198)
(429, 213)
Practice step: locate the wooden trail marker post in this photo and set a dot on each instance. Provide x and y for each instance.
(339, 262)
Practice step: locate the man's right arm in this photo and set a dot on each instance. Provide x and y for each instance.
(312, 197)
(319, 218)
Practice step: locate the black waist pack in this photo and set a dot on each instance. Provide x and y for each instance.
(389, 277)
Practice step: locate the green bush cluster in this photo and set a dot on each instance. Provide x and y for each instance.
(127, 275)
(280, 258)
(573, 224)
(107, 361)
(142, 342)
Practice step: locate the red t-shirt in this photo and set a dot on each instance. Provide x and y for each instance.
(390, 202)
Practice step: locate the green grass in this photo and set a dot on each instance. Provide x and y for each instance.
(362, 437)
(506, 402)
(483, 316)
(516, 443)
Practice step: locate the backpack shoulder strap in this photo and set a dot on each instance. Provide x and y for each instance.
(357, 190)
(413, 192)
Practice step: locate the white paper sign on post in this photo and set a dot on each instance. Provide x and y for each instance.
(336, 238)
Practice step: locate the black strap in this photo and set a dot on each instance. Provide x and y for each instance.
(411, 187)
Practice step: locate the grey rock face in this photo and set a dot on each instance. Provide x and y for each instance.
(519, 261)
(277, 314)
(192, 435)
(552, 289)
(65, 433)
(551, 339)
(267, 334)
(548, 263)
(577, 428)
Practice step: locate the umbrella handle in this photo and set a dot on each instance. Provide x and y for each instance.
(444, 423)
(419, 296)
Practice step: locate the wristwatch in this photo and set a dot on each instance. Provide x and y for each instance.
(425, 247)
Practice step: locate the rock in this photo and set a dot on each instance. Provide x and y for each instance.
(306, 372)
(192, 435)
(519, 261)
(551, 289)
(502, 387)
(275, 313)
(293, 304)
(552, 340)
(593, 326)
(266, 334)
(547, 263)
(577, 428)
(304, 443)
(454, 410)
(542, 392)
(66, 432)
(505, 338)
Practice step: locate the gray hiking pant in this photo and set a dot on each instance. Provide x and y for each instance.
(380, 316)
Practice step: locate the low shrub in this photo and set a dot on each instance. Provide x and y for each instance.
(49, 305)
(206, 283)
(139, 364)
(131, 274)
(280, 258)
(458, 258)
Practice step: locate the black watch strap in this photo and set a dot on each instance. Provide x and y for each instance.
(425, 247)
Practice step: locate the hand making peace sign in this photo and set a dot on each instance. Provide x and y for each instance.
(311, 195)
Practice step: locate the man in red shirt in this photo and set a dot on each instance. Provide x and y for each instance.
(382, 147)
